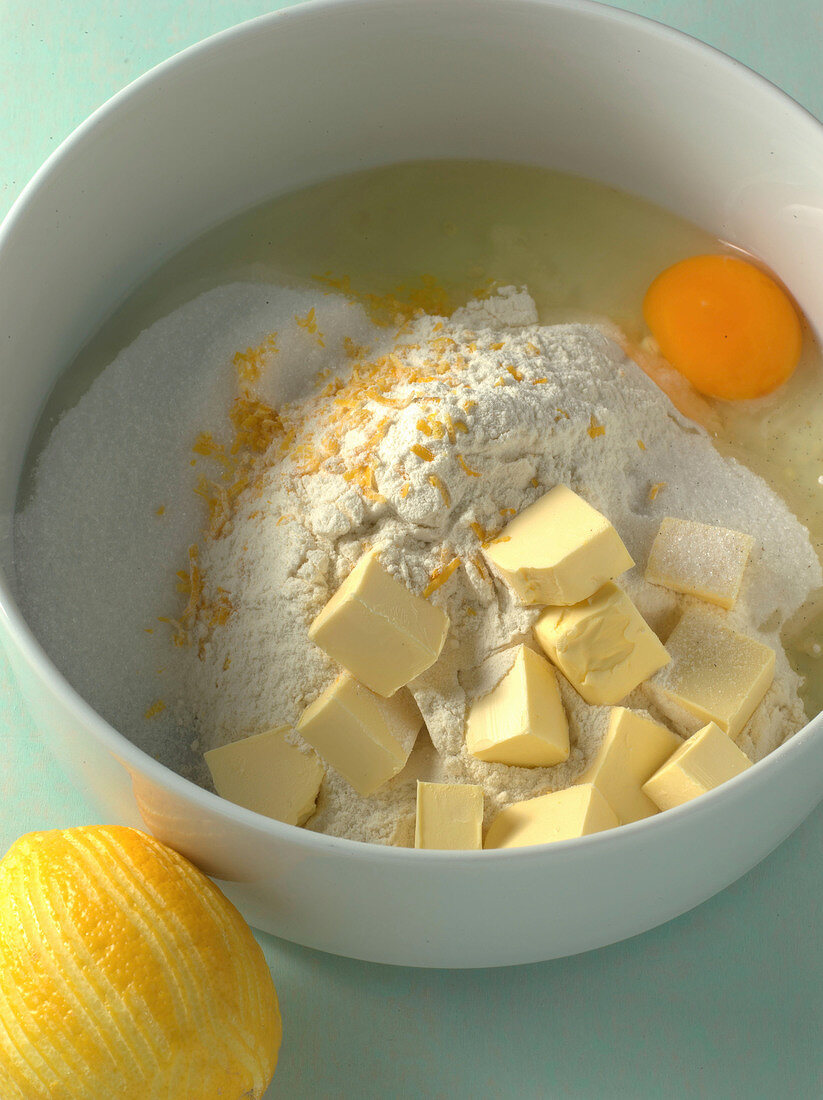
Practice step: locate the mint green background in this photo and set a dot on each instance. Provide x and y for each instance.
(724, 1002)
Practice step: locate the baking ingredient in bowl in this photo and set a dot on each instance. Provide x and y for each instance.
(633, 748)
(267, 774)
(559, 550)
(700, 560)
(716, 673)
(125, 972)
(724, 324)
(421, 449)
(449, 816)
(420, 441)
(521, 722)
(561, 815)
(706, 760)
(602, 645)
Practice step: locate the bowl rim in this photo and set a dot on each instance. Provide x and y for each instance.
(135, 759)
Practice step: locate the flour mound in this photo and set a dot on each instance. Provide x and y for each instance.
(423, 445)
(421, 440)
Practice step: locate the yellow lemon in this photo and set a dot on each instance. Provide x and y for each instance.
(126, 975)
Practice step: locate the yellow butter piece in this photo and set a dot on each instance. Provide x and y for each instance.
(266, 774)
(603, 645)
(632, 750)
(449, 816)
(700, 560)
(563, 815)
(706, 760)
(716, 675)
(378, 630)
(360, 734)
(559, 550)
(522, 721)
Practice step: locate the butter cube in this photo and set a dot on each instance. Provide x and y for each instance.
(706, 760)
(266, 774)
(378, 630)
(703, 561)
(449, 816)
(522, 721)
(633, 749)
(603, 646)
(360, 734)
(559, 550)
(563, 815)
(716, 675)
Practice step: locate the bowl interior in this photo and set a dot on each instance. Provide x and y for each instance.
(334, 87)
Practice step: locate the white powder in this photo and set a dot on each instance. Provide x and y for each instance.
(523, 408)
(539, 406)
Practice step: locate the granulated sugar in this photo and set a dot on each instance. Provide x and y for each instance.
(421, 442)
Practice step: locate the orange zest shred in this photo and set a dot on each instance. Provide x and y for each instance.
(441, 488)
(655, 489)
(594, 429)
(423, 427)
(157, 707)
(467, 469)
(422, 452)
(249, 364)
(354, 350)
(440, 576)
(309, 323)
(514, 372)
(641, 444)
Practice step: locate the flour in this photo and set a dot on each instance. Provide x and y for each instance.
(422, 444)
(419, 441)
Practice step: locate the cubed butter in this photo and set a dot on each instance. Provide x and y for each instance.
(706, 760)
(716, 675)
(559, 550)
(266, 774)
(563, 815)
(632, 750)
(378, 630)
(700, 560)
(449, 816)
(521, 721)
(360, 734)
(603, 645)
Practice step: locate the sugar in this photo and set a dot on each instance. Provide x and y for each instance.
(95, 563)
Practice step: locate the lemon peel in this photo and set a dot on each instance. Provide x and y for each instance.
(126, 973)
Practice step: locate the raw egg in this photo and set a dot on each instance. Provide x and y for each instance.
(725, 325)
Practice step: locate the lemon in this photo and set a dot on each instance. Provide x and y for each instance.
(126, 975)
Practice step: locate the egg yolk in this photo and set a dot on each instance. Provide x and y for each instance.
(725, 325)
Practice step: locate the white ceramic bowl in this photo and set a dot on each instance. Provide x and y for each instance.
(325, 89)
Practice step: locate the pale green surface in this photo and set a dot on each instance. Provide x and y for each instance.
(724, 1002)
